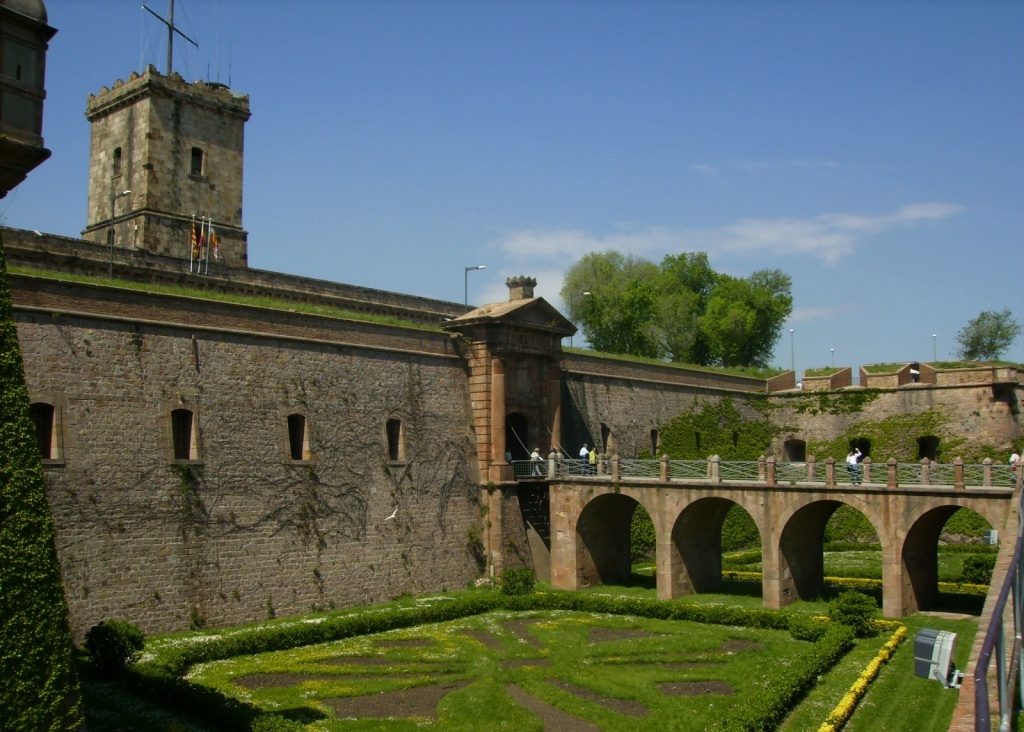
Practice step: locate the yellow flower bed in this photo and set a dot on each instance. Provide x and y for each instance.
(841, 714)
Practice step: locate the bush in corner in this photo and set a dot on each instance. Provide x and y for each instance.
(112, 645)
(856, 610)
(518, 581)
(807, 627)
(978, 568)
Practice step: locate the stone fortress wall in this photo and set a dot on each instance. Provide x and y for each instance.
(240, 530)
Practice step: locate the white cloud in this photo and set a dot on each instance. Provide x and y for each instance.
(571, 244)
(829, 237)
(547, 253)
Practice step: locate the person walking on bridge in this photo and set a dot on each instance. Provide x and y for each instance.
(535, 460)
(853, 465)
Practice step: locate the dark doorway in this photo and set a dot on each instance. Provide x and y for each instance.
(517, 436)
(795, 451)
(928, 447)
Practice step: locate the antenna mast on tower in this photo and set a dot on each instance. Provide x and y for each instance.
(171, 30)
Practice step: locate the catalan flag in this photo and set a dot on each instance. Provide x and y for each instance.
(214, 241)
(197, 239)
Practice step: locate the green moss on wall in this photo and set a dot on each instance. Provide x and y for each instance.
(826, 402)
(40, 688)
(895, 437)
(717, 429)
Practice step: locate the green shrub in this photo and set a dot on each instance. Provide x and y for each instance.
(641, 537)
(739, 531)
(966, 522)
(807, 627)
(978, 568)
(855, 610)
(850, 526)
(275, 723)
(112, 645)
(518, 581)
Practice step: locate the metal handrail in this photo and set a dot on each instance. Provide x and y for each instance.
(906, 474)
(682, 469)
(995, 640)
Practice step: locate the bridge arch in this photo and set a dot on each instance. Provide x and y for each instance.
(694, 556)
(602, 545)
(919, 558)
(797, 563)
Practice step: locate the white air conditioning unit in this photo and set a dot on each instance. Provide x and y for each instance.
(933, 657)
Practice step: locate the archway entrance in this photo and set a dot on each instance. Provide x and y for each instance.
(517, 436)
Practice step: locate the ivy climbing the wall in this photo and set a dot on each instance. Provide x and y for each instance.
(717, 429)
(40, 686)
(897, 437)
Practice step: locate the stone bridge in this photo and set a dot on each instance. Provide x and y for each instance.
(590, 517)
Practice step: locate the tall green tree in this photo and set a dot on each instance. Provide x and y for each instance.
(618, 314)
(988, 335)
(685, 283)
(681, 310)
(39, 690)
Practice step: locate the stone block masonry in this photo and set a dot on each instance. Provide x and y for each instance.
(241, 531)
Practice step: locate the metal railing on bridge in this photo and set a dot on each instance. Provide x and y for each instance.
(767, 471)
(1009, 667)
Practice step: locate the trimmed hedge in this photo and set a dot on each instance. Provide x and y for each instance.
(162, 674)
(786, 684)
(40, 686)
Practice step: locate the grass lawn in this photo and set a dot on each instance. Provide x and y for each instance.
(508, 670)
(520, 671)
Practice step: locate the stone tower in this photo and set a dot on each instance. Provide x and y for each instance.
(163, 151)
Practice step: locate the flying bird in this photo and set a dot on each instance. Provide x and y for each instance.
(392, 514)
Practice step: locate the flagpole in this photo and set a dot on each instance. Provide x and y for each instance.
(191, 241)
(209, 230)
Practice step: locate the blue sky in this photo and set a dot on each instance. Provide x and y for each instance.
(872, 150)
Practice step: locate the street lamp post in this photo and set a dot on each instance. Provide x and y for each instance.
(465, 282)
(792, 354)
(935, 352)
(833, 350)
(572, 311)
(110, 235)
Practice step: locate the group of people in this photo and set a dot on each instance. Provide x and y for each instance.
(587, 455)
(590, 456)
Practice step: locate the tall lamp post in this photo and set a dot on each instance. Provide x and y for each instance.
(110, 236)
(833, 350)
(935, 351)
(572, 310)
(792, 354)
(465, 282)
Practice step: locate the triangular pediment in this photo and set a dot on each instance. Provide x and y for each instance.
(534, 313)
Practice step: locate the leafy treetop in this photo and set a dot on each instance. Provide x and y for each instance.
(681, 310)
